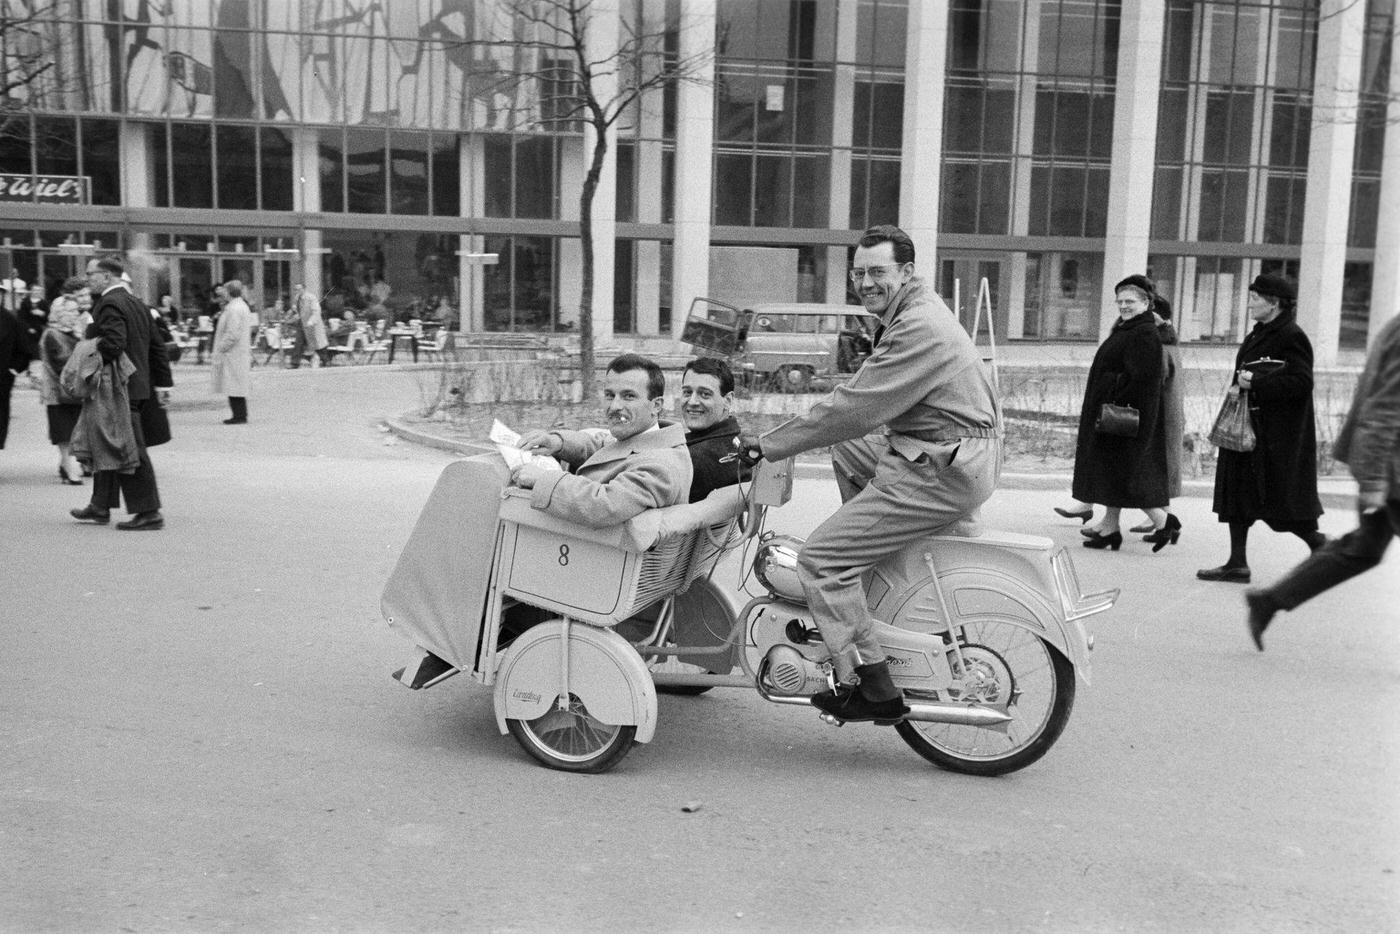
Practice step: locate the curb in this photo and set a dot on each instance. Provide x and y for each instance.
(1335, 493)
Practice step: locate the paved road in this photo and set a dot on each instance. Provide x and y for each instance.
(200, 735)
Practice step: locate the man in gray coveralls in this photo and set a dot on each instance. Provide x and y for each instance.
(936, 461)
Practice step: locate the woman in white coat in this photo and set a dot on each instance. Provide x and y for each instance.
(233, 352)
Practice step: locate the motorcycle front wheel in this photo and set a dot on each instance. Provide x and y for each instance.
(1007, 668)
(572, 740)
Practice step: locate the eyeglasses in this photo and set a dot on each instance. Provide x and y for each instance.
(876, 273)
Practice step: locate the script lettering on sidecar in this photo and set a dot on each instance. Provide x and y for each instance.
(530, 697)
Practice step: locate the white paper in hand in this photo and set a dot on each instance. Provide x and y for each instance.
(508, 443)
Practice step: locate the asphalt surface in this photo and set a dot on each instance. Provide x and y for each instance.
(200, 734)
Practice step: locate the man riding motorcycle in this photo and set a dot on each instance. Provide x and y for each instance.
(934, 464)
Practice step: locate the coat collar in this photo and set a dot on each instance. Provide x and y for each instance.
(670, 435)
(724, 428)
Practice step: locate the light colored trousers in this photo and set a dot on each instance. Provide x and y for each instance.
(888, 501)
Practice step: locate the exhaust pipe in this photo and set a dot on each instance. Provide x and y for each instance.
(960, 714)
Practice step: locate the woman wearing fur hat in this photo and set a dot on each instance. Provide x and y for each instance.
(1277, 481)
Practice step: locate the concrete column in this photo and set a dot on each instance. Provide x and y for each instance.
(604, 28)
(695, 126)
(470, 195)
(842, 110)
(650, 178)
(1330, 153)
(1024, 152)
(137, 191)
(1134, 148)
(306, 199)
(1385, 270)
(925, 69)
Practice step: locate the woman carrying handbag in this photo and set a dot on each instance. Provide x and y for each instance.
(1277, 480)
(1114, 464)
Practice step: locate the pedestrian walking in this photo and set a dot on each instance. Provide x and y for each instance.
(233, 353)
(13, 361)
(1126, 470)
(308, 328)
(1277, 481)
(1369, 444)
(56, 345)
(124, 328)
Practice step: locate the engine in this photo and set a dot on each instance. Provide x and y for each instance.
(789, 673)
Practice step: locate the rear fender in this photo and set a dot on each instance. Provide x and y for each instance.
(604, 672)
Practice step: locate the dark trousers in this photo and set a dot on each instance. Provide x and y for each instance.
(239, 406)
(1354, 553)
(138, 487)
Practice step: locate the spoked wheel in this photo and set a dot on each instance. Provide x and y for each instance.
(572, 740)
(1006, 668)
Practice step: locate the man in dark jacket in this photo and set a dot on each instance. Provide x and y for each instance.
(1369, 443)
(707, 396)
(123, 325)
(13, 360)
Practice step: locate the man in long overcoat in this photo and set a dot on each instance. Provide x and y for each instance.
(233, 353)
(123, 325)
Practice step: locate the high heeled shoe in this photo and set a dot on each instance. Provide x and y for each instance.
(1144, 527)
(1083, 517)
(1114, 541)
(1166, 535)
(69, 481)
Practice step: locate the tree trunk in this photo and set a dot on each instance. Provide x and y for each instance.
(585, 306)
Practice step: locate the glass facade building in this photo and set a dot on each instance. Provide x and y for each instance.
(1049, 147)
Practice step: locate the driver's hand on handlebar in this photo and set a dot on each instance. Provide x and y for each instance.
(541, 441)
(750, 448)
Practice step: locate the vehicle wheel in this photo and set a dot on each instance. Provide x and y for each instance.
(572, 740)
(793, 378)
(1010, 669)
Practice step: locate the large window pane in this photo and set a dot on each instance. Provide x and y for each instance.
(278, 175)
(238, 167)
(56, 145)
(365, 173)
(330, 165)
(772, 194)
(234, 61)
(498, 159)
(811, 178)
(191, 173)
(1224, 196)
(447, 174)
(102, 161)
(408, 164)
(733, 184)
(535, 171)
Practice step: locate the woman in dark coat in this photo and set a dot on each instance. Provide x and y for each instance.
(1121, 472)
(1277, 481)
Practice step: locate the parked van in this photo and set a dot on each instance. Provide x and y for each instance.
(782, 345)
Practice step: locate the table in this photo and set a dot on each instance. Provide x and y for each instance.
(397, 334)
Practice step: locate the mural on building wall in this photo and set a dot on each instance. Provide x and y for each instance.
(411, 63)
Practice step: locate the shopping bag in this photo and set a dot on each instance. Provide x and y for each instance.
(1232, 429)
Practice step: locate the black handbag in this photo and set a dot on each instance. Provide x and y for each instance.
(1120, 421)
(155, 422)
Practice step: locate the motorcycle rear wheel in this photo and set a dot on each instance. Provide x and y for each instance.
(1011, 669)
(572, 740)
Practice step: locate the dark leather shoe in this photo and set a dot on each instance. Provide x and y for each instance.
(850, 705)
(1261, 611)
(235, 421)
(143, 522)
(1114, 541)
(1224, 573)
(90, 514)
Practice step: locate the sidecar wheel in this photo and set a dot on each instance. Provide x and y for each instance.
(572, 740)
(1010, 669)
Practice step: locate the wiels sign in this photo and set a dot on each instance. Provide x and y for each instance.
(45, 189)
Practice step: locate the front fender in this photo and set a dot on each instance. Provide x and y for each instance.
(604, 672)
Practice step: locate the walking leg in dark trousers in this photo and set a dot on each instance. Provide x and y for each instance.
(238, 405)
(139, 488)
(1354, 553)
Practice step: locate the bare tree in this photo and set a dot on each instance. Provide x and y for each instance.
(557, 78)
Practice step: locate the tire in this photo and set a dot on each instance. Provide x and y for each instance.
(1012, 669)
(572, 740)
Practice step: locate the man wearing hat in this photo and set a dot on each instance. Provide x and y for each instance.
(1277, 481)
